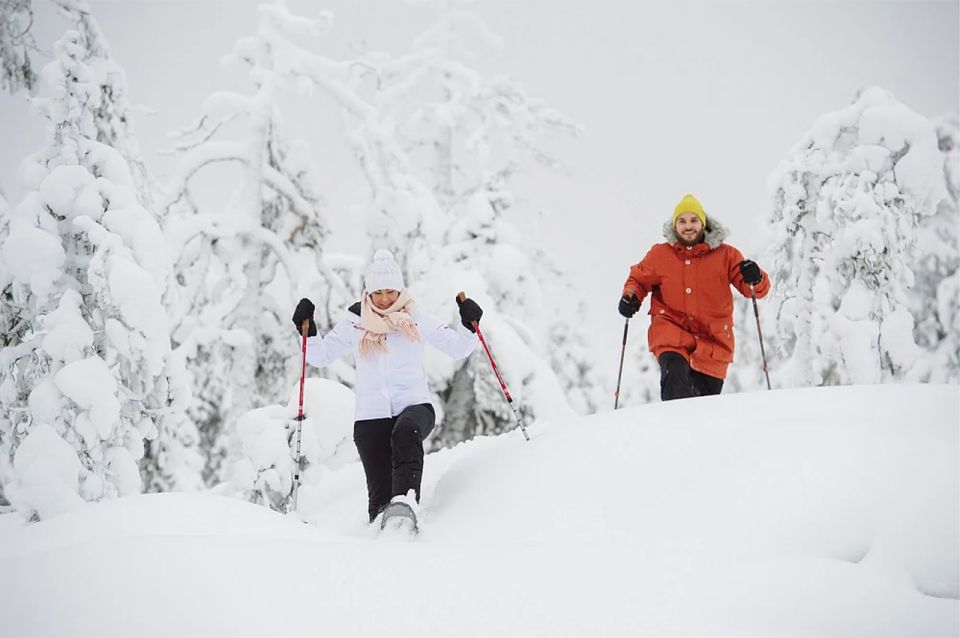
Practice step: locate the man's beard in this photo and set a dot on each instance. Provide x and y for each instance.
(696, 240)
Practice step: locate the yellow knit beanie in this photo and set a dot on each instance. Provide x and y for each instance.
(689, 204)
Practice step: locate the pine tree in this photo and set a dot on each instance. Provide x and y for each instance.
(113, 116)
(571, 358)
(848, 203)
(466, 137)
(88, 347)
(16, 45)
(8, 331)
(473, 405)
(936, 295)
(240, 266)
(172, 460)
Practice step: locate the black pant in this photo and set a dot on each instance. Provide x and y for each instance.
(391, 451)
(678, 381)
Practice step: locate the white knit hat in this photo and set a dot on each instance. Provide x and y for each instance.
(383, 273)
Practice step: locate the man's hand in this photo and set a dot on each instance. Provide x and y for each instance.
(629, 305)
(750, 272)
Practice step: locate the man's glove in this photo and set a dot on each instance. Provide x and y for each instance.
(304, 311)
(629, 305)
(469, 312)
(751, 272)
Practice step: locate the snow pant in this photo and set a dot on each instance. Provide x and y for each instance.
(679, 381)
(391, 451)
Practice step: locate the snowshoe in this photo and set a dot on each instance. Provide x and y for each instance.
(399, 516)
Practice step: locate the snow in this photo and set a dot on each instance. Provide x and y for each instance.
(896, 337)
(265, 466)
(89, 383)
(68, 335)
(72, 192)
(142, 234)
(32, 255)
(827, 511)
(47, 473)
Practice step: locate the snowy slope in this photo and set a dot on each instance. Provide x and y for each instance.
(830, 511)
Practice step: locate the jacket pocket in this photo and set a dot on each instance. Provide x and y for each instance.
(721, 342)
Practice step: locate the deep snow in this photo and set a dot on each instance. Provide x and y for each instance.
(827, 511)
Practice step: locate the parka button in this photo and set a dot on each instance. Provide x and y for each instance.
(689, 291)
(661, 312)
(687, 262)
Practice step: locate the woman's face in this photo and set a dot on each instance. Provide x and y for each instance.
(383, 299)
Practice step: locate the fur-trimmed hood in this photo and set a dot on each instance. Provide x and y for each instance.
(715, 233)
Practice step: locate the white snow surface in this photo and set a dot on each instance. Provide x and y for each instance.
(815, 512)
(48, 473)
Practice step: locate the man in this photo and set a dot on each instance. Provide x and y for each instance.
(691, 307)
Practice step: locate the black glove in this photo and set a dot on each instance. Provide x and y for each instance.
(469, 312)
(304, 311)
(629, 305)
(751, 272)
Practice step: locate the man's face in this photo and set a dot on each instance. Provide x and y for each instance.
(383, 299)
(689, 229)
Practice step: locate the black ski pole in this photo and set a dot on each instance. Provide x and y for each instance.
(496, 371)
(763, 354)
(623, 349)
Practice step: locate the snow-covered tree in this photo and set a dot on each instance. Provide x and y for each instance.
(571, 357)
(85, 359)
(113, 114)
(462, 138)
(8, 322)
(172, 459)
(243, 261)
(16, 45)
(936, 296)
(848, 202)
(488, 258)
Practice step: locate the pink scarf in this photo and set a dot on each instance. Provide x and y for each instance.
(378, 323)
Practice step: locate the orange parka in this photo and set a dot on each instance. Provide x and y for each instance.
(691, 306)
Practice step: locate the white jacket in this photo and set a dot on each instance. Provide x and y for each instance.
(391, 381)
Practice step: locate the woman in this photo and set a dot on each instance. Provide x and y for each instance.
(386, 332)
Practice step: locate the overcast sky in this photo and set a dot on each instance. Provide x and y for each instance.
(673, 97)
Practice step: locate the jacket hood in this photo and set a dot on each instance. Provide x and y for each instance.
(715, 234)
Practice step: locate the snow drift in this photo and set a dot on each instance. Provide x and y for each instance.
(828, 511)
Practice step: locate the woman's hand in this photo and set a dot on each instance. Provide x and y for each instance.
(303, 312)
(470, 312)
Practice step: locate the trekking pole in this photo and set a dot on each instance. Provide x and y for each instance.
(623, 349)
(763, 354)
(493, 364)
(304, 330)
